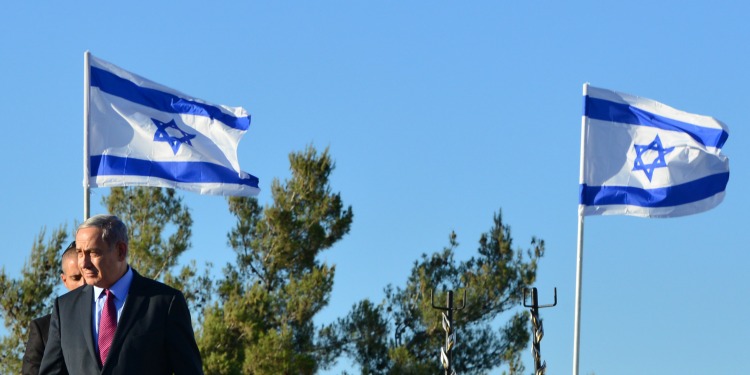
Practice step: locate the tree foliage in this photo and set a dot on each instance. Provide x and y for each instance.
(404, 334)
(257, 317)
(29, 296)
(149, 212)
(160, 228)
(262, 322)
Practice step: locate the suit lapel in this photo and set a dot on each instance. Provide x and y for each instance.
(85, 309)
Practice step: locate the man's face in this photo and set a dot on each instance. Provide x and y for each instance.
(71, 276)
(101, 265)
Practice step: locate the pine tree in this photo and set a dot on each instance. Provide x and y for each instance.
(262, 321)
(494, 281)
(159, 228)
(148, 212)
(29, 297)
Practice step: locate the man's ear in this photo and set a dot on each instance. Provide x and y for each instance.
(62, 277)
(122, 250)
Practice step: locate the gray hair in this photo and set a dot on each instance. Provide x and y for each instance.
(113, 229)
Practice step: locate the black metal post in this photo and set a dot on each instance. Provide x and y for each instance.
(539, 366)
(446, 352)
(536, 344)
(448, 344)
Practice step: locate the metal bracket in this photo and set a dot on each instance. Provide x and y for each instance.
(535, 299)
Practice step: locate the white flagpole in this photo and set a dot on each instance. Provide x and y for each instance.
(86, 172)
(579, 257)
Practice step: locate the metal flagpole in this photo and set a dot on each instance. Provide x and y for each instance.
(579, 271)
(86, 174)
(579, 257)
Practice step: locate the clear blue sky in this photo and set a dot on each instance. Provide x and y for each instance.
(438, 115)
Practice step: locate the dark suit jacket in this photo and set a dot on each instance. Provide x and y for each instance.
(154, 334)
(32, 358)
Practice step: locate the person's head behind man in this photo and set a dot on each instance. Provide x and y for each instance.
(102, 248)
(71, 274)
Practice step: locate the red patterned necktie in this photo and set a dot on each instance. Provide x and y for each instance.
(107, 326)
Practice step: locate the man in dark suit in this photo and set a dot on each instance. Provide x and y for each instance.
(121, 322)
(71, 278)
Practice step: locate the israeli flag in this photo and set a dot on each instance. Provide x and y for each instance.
(142, 133)
(640, 157)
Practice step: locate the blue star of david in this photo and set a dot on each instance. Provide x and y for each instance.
(658, 162)
(162, 135)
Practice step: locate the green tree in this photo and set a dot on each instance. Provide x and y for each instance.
(148, 212)
(160, 227)
(29, 296)
(404, 334)
(261, 322)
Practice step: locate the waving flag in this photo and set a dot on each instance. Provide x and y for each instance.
(142, 133)
(643, 158)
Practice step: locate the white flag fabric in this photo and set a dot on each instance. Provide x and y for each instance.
(643, 158)
(143, 133)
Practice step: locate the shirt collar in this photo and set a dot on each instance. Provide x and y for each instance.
(120, 288)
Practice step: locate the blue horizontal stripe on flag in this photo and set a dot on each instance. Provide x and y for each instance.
(676, 195)
(179, 171)
(159, 100)
(606, 110)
